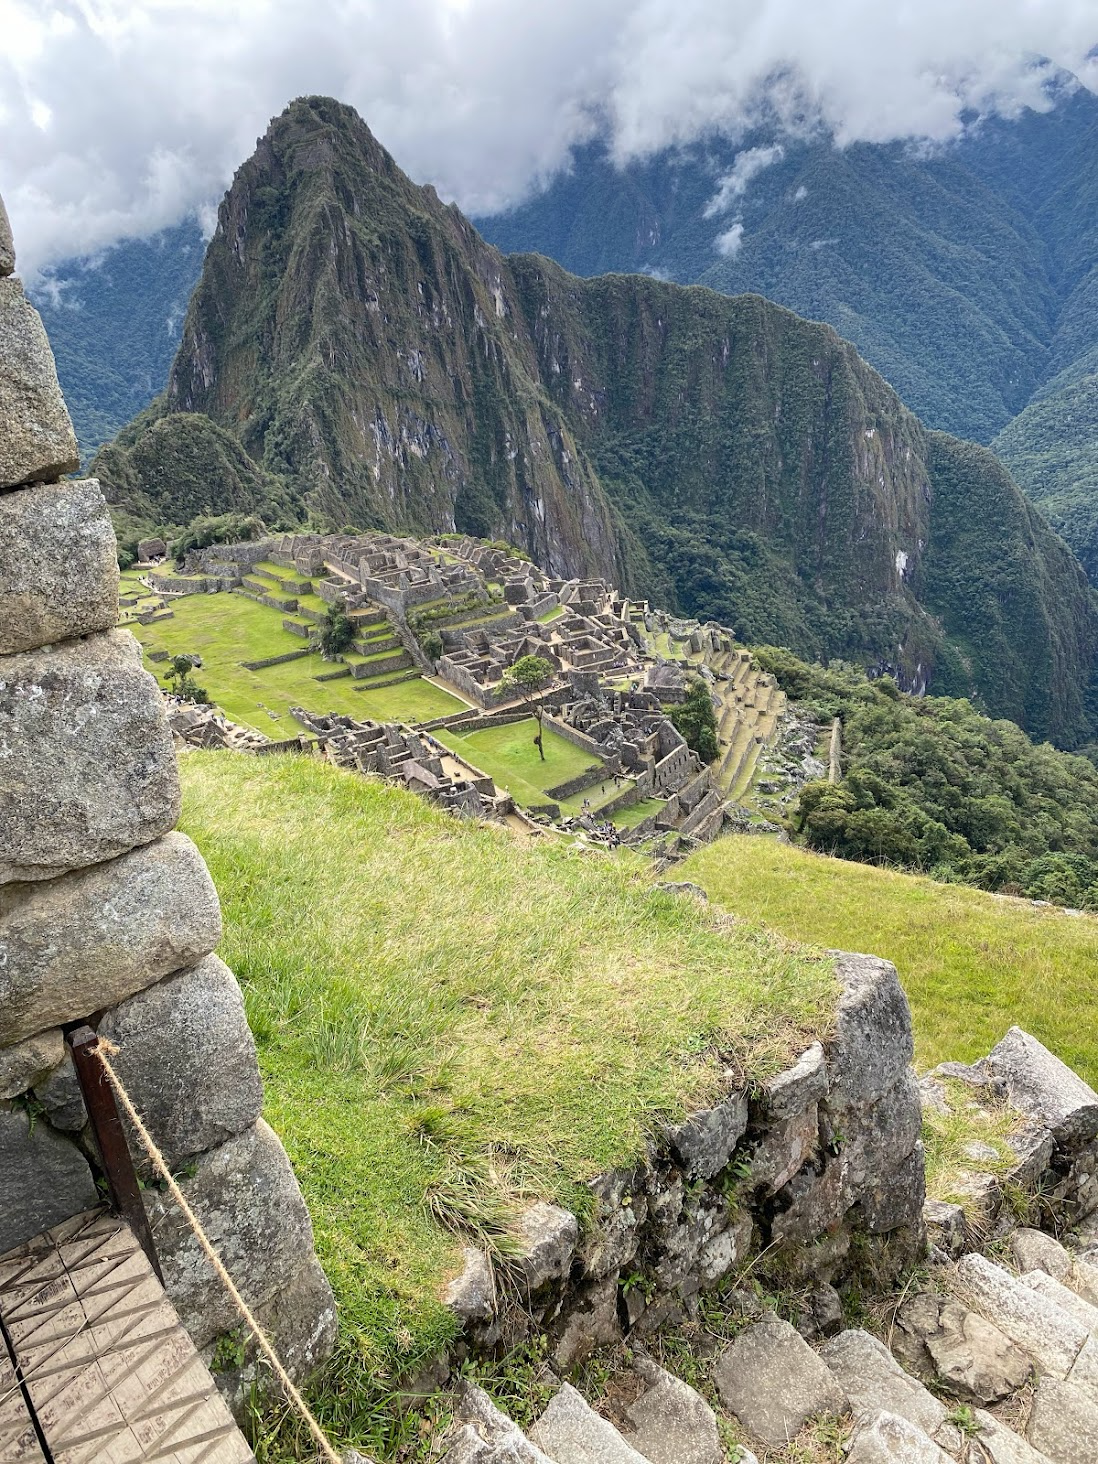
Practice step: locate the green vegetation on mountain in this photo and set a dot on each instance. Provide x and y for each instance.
(114, 321)
(930, 784)
(436, 1051)
(380, 365)
(972, 964)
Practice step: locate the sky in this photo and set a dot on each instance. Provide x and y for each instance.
(119, 117)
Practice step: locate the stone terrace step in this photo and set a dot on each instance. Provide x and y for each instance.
(1042, 1329)
(670, 1422)
(571, 1432)
(886, 1438)
(873, 1381)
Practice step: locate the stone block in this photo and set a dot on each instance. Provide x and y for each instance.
(45, 1178)
(670, 1423)
(7, 244)
(872, 1046)
(87, 765)
(28, 1062)
(872, 1379)
(37, 442)
(1033, 1250)
(471, 1296)
(886, 1438)
(945, 1227)
(1037, 1325)
(61, 1099)
(480, 1432)
(187, 1058)
(1063, 1423)
(58, 565)
(591, 1322)
(773, 1382)
(302, 1315)
(87, 940)
(247, 1200)
(547, 1236)
(898, 1199)
(705, 1142)
(793, 1090)
(786, 1146)
(1045, 1089)
(571, 1430)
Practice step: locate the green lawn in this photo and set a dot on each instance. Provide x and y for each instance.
(972, 964)
(451, 1021)
(508, 754)
(629, 818)
(228, 629)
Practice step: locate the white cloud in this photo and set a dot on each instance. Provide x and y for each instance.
(119, 116)
(801, 194)
(730, 242)
(745, 166)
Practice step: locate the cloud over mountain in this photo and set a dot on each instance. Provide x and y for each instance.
(119, 116)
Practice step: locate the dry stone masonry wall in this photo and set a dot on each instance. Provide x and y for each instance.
(109, 916)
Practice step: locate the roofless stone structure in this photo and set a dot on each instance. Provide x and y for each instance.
(109, 917)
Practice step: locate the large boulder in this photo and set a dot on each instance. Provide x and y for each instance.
(187, 1059)
(74, 945)
(1045, 1089)
(58, 565)
(873, 1045)
(25, 1064)
(87, 765)
(37, 442)
(248, 1203)
(774, 1383)
(46, 1178)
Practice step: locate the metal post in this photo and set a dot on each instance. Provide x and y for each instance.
(111, 1139)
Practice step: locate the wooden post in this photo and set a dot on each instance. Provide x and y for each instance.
(111, 1139)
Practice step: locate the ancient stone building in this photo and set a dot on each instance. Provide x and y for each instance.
(107, 915)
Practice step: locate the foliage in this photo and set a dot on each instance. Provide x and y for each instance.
(972, 964)
(417, 1034)
(697, 721)
(337, 632)
(182, 683)
(225, 528)
(931, 784)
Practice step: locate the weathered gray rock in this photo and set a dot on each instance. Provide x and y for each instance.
(472, 1295)
(897, 1199)
(1045, 1088)
(670, 1422)
(481, 1434)
(704, 1143)
(1063, 1423)
(812, 1202)
(1033, 1250)
(570, 1429)
(591, 1322)
(7, 244)
(885, 1438)
(1001, 1445)
(74, 945)
(1038, 1326)
(37, 442)
(60, 1096)
(187, 1058)
(87, 765)
(29, 1061)
(773, 1382)
(945, 1227)
(873, 1045)
(785, 1147)
(1066, 1299)
(45, 1178)
(58, 565)
(547, 1236)
(942, 1340)
(873, 1380)
(245, 1195)
(804, 1083)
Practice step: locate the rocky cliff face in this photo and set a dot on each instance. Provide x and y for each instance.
(383, 367)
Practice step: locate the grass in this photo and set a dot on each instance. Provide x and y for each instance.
(450, 1021)
(508, 754)
(972, 964)
(228, 629)
(629, 818)
(949, 1137)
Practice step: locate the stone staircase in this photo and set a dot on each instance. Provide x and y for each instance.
(1011, 1346)
(751, 709)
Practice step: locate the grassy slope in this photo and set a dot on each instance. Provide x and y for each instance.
(228, 629)
(509, 755)
(443, 1011)
(972, 963)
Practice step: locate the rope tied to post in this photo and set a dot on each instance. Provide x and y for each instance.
(104, 1050)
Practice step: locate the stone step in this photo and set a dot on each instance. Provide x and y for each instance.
(1063, 1423)
(886, 1438)
(571, 1432)
(1068, 1300)
(669, 1422)
(1041, 1328)
(1033, 1250)
(773, 1382)
(481, 1434)
(874, 1382)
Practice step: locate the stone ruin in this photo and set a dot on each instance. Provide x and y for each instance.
(107, 916)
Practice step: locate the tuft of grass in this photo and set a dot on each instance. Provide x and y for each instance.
(450, 1021)
(972, 964)
(970, 1137)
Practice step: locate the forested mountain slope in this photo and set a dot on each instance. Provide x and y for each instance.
(381, 365)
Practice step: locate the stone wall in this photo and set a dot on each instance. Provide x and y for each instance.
(817, 1176)
(107, 915)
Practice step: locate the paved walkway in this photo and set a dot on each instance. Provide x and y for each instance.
(95, 1367)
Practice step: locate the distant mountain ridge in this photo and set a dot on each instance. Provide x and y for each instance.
(356, 353)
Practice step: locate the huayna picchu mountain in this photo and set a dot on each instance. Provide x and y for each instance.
(381, 365)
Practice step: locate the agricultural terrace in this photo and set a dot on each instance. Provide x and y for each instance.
(451, 1021)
